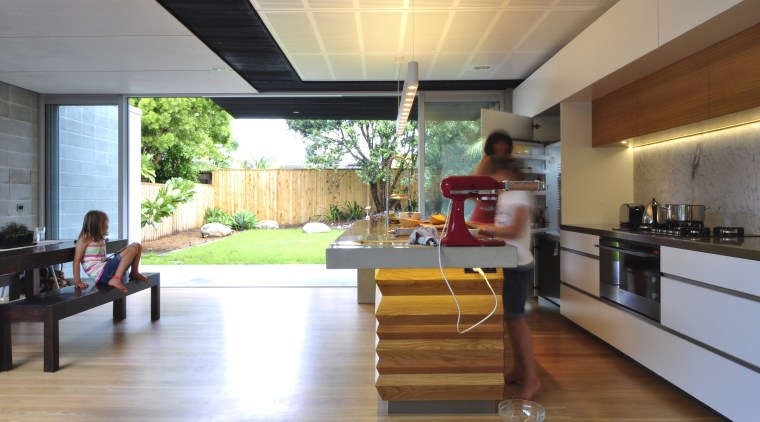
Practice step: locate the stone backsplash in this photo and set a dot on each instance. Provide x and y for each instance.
(719, 169)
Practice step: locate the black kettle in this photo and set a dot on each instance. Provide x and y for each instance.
(650, 213)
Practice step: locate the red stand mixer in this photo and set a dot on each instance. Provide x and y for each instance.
(461, 188)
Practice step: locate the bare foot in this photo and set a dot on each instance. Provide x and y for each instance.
(529, 389)
(513, 378)
(138, 276)
(115, 282)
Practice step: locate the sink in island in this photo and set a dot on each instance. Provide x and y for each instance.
(425, 361)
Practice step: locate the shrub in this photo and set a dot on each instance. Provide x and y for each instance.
(353, 210)
(174, 192)
(334, 214)
(216, 215)
(244, 220)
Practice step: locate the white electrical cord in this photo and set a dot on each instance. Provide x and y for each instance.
(446, 280)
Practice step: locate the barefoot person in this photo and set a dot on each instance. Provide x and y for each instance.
(512, 223)
(90, 253)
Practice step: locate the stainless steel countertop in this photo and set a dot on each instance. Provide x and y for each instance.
(366, 245)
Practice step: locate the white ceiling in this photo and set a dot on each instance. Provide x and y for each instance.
(136, 47)
(334, 40)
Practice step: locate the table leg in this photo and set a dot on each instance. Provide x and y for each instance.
(50, 344)
(155, 302)
(6, 355)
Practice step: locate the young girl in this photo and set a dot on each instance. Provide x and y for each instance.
(90, 252)
(512, 223)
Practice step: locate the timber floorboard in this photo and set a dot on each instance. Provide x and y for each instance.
(287, 354)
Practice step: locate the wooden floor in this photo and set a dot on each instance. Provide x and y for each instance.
(287, 354)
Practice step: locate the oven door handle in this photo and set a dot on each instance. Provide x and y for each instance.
(627, 251)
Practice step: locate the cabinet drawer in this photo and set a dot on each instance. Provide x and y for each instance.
(579, 271)
(581, 242)
(723, 271)
(718, 319)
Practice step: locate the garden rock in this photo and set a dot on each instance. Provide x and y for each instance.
(215, 230)
(267, 224)
(316, 228)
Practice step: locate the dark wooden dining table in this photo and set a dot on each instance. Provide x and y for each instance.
(41, 255)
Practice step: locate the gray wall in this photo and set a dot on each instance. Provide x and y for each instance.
(19, 155)
(719, 169)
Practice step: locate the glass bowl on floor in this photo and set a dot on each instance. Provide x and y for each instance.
(516, 410)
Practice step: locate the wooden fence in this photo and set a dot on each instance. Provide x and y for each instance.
(286, 196)
(289, 197)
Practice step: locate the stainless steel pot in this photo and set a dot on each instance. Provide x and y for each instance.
(684, 212)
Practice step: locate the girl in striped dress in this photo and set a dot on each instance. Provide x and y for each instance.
(90, 253)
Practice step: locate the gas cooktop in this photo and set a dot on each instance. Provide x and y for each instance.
(688, 230)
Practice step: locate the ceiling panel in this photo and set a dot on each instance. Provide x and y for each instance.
(299, 35)
(510, 30)
(553, 30)
(337, 31)
(466, 30)
(375, 29)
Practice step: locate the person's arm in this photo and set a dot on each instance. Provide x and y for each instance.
(78, 255)
(521, 215)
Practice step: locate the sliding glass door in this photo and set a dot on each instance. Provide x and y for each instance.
(450, 141)
(84, 164)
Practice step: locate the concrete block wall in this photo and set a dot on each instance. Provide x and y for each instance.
(19, 155)
(88, 166)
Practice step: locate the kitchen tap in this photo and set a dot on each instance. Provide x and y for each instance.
(388, 189)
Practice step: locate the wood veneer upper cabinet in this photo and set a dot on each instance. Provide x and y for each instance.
(613, 117)
(735, 73)
(675, 95)
(721, 79)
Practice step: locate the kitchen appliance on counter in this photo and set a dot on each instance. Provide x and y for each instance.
(629, 275)
(631, 215)
(461, 188)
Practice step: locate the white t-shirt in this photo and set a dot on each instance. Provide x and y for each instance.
(506, 205)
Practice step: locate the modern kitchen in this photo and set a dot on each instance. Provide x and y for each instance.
(650, 237)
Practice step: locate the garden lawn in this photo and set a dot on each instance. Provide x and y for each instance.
(279, 246)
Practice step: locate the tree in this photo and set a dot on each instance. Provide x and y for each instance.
(371, 144)
(184, 136)
(451, 147)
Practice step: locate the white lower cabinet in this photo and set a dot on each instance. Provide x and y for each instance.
(579, 263)
(724, 321)
(720, 383)
(579, 271)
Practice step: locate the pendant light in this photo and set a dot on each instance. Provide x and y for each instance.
(410, 88)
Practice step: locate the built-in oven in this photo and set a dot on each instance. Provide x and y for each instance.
(629, 275)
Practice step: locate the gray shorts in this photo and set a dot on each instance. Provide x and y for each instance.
(517, 283)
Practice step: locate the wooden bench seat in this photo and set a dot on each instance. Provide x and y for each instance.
(51, 307)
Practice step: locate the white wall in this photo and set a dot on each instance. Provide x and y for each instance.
(595, 181)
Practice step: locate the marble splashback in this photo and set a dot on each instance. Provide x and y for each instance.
(718, 169)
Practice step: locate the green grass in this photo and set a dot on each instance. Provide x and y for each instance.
(282, 246)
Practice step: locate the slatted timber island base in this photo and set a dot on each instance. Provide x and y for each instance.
(423, 364)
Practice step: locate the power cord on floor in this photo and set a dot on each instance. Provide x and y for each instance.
(446, 280)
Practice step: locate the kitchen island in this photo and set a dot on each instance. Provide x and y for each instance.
(424, 361)
(366, 247)
(705, 341)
